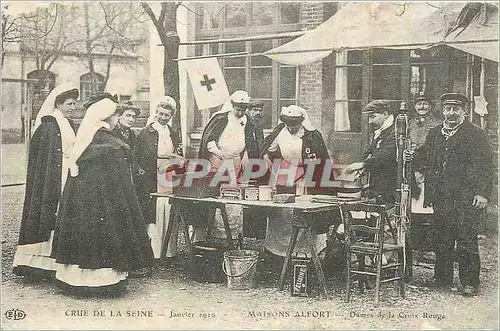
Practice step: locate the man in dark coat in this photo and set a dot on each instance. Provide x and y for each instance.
(457, 162)
(50, 145)
(254, 113)
(380, 158)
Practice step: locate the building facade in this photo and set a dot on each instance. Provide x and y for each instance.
(123, 71)
(333, 90)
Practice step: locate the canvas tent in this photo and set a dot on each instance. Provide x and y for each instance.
(470, 27)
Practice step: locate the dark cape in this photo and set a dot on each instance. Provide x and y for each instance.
(313, 147)
(43, 183)
(146, 155)
(127, 135)
(214, 129)
(100, 222)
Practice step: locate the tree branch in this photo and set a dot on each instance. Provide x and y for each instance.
(109, 25)
(155, 21)
(189, 9)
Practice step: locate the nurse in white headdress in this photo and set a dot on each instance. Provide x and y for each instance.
(52, 140)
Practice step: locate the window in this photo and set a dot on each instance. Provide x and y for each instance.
(289, 12)
(261, 79)
(210, 15)
(263, 13)
(236, 14)
(234, 68)
(425, 66)
(386, 74)
(348, 90)
(91, 85)
(265, 80)
(287, 83)
(396, 75)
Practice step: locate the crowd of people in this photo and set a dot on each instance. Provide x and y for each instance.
(89, 220)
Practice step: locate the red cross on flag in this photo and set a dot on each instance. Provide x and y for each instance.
(209, 86)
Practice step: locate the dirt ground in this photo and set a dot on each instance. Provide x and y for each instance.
(170, 299)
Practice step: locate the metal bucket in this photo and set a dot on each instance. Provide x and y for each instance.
(207, 262)
(240, 267)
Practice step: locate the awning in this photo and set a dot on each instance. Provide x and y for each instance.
(364, 25)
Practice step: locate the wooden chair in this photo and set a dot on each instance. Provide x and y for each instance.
(371, 243)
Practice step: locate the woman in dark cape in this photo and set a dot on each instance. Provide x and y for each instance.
(100, 233)
(50, 145)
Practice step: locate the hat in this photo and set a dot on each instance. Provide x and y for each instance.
(70, 94)
(96, 98)
(168, 102)
(292, 115)
(454, 99)
(256, 104)
(422, 96)
(240, 97)
(378, 106)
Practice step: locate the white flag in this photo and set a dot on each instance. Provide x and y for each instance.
(209, 86)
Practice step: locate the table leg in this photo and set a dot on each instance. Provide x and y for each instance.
(210, 221)
(188, 241)
(174, 214)
(289, 251)
(225, 219)
(316, 262)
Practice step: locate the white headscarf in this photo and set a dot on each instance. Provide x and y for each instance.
(237, 96)
(67, 134)
(48, 106)
(92, 121)
(294, 109)
(167, 100)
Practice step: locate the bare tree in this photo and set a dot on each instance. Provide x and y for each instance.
(44, 34)
(10, 31)
(110, 29)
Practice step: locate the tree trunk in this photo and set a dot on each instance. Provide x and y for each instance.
(171, 51)
(88, 44)
(166, 26)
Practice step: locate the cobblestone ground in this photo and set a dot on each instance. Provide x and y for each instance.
(170, 299)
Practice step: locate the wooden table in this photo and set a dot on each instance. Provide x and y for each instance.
(302, 216)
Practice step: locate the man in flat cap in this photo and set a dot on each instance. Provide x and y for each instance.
(254, 113)
(457, 162)
(380, 158)
(418, 127)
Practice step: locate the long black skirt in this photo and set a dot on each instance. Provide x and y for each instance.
(100, 232)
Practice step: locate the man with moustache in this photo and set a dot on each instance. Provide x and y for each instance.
(457, 163)
(418, 128)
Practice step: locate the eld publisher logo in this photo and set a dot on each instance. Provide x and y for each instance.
(15, 314)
